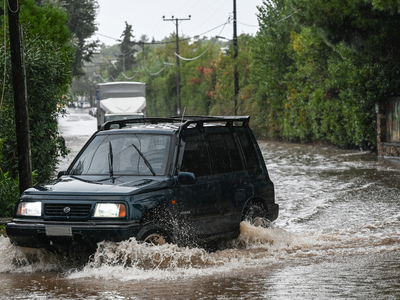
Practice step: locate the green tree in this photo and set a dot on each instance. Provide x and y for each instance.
(271, 64)
(222, 78)
(393, 6)
(160, 77)
(320, 66)
(366, 41)
(48, 57)
(82, 24)
(198, 75)
(126, 59)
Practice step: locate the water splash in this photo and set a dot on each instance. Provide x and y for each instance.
(145, 256)
(255, 246)
(130, 260)
(25, 260)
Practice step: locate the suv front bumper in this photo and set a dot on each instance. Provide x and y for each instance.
(68, 235)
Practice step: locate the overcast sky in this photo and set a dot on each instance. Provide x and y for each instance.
(146, 17)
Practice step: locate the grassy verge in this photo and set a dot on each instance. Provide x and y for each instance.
(3, 230)
(3, 222)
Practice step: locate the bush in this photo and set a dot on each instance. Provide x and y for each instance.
(9, 194)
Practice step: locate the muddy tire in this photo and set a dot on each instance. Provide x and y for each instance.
(154, 234)
(257, 215)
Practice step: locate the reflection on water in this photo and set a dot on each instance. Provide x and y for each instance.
(337, 236)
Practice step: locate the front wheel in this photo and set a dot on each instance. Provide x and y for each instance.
(257, 215)
(154, 234)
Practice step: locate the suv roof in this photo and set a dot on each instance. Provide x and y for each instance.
(180, 123)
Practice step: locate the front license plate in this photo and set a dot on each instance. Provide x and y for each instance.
(58, 231)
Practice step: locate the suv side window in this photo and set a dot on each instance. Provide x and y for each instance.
(234, 154)
(249, 150)
(219, 155)
(195, 156)
(225, 156)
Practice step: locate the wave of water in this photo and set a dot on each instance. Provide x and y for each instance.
(130, 260)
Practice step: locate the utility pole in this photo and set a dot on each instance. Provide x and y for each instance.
(20, 99)
(235, 55)
(178, 76)
(142, 44)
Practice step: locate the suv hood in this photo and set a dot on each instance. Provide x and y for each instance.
(94, 185)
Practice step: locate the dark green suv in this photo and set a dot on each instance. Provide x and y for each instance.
(189, 181)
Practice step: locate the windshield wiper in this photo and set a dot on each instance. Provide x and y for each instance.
(81, 179)
(148, 165)
(92, 181)
(110, 160)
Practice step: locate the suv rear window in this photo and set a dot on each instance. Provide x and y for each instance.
(249, 150)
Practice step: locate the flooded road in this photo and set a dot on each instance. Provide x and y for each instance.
(337, 237)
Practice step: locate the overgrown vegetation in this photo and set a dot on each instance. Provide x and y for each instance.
(48, 59)
(322, 65)
(9, 190)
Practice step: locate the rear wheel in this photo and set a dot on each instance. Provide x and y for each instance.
(154, 234)
(257, 215)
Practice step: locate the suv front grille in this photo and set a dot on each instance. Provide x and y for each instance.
(71, 210)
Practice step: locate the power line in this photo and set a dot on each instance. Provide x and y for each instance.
(248, 25)
(165, 65)
(208, 48)
(170, 42)
(136, 72)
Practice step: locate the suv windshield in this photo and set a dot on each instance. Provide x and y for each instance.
(124, 154)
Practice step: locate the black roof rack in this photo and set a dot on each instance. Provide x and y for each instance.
(181, 122)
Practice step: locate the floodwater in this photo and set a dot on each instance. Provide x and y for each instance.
(337, 237)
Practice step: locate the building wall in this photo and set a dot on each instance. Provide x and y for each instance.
(388, 128)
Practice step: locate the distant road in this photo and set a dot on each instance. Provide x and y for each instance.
(76, 128)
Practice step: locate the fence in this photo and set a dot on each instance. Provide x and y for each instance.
(388, 128)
